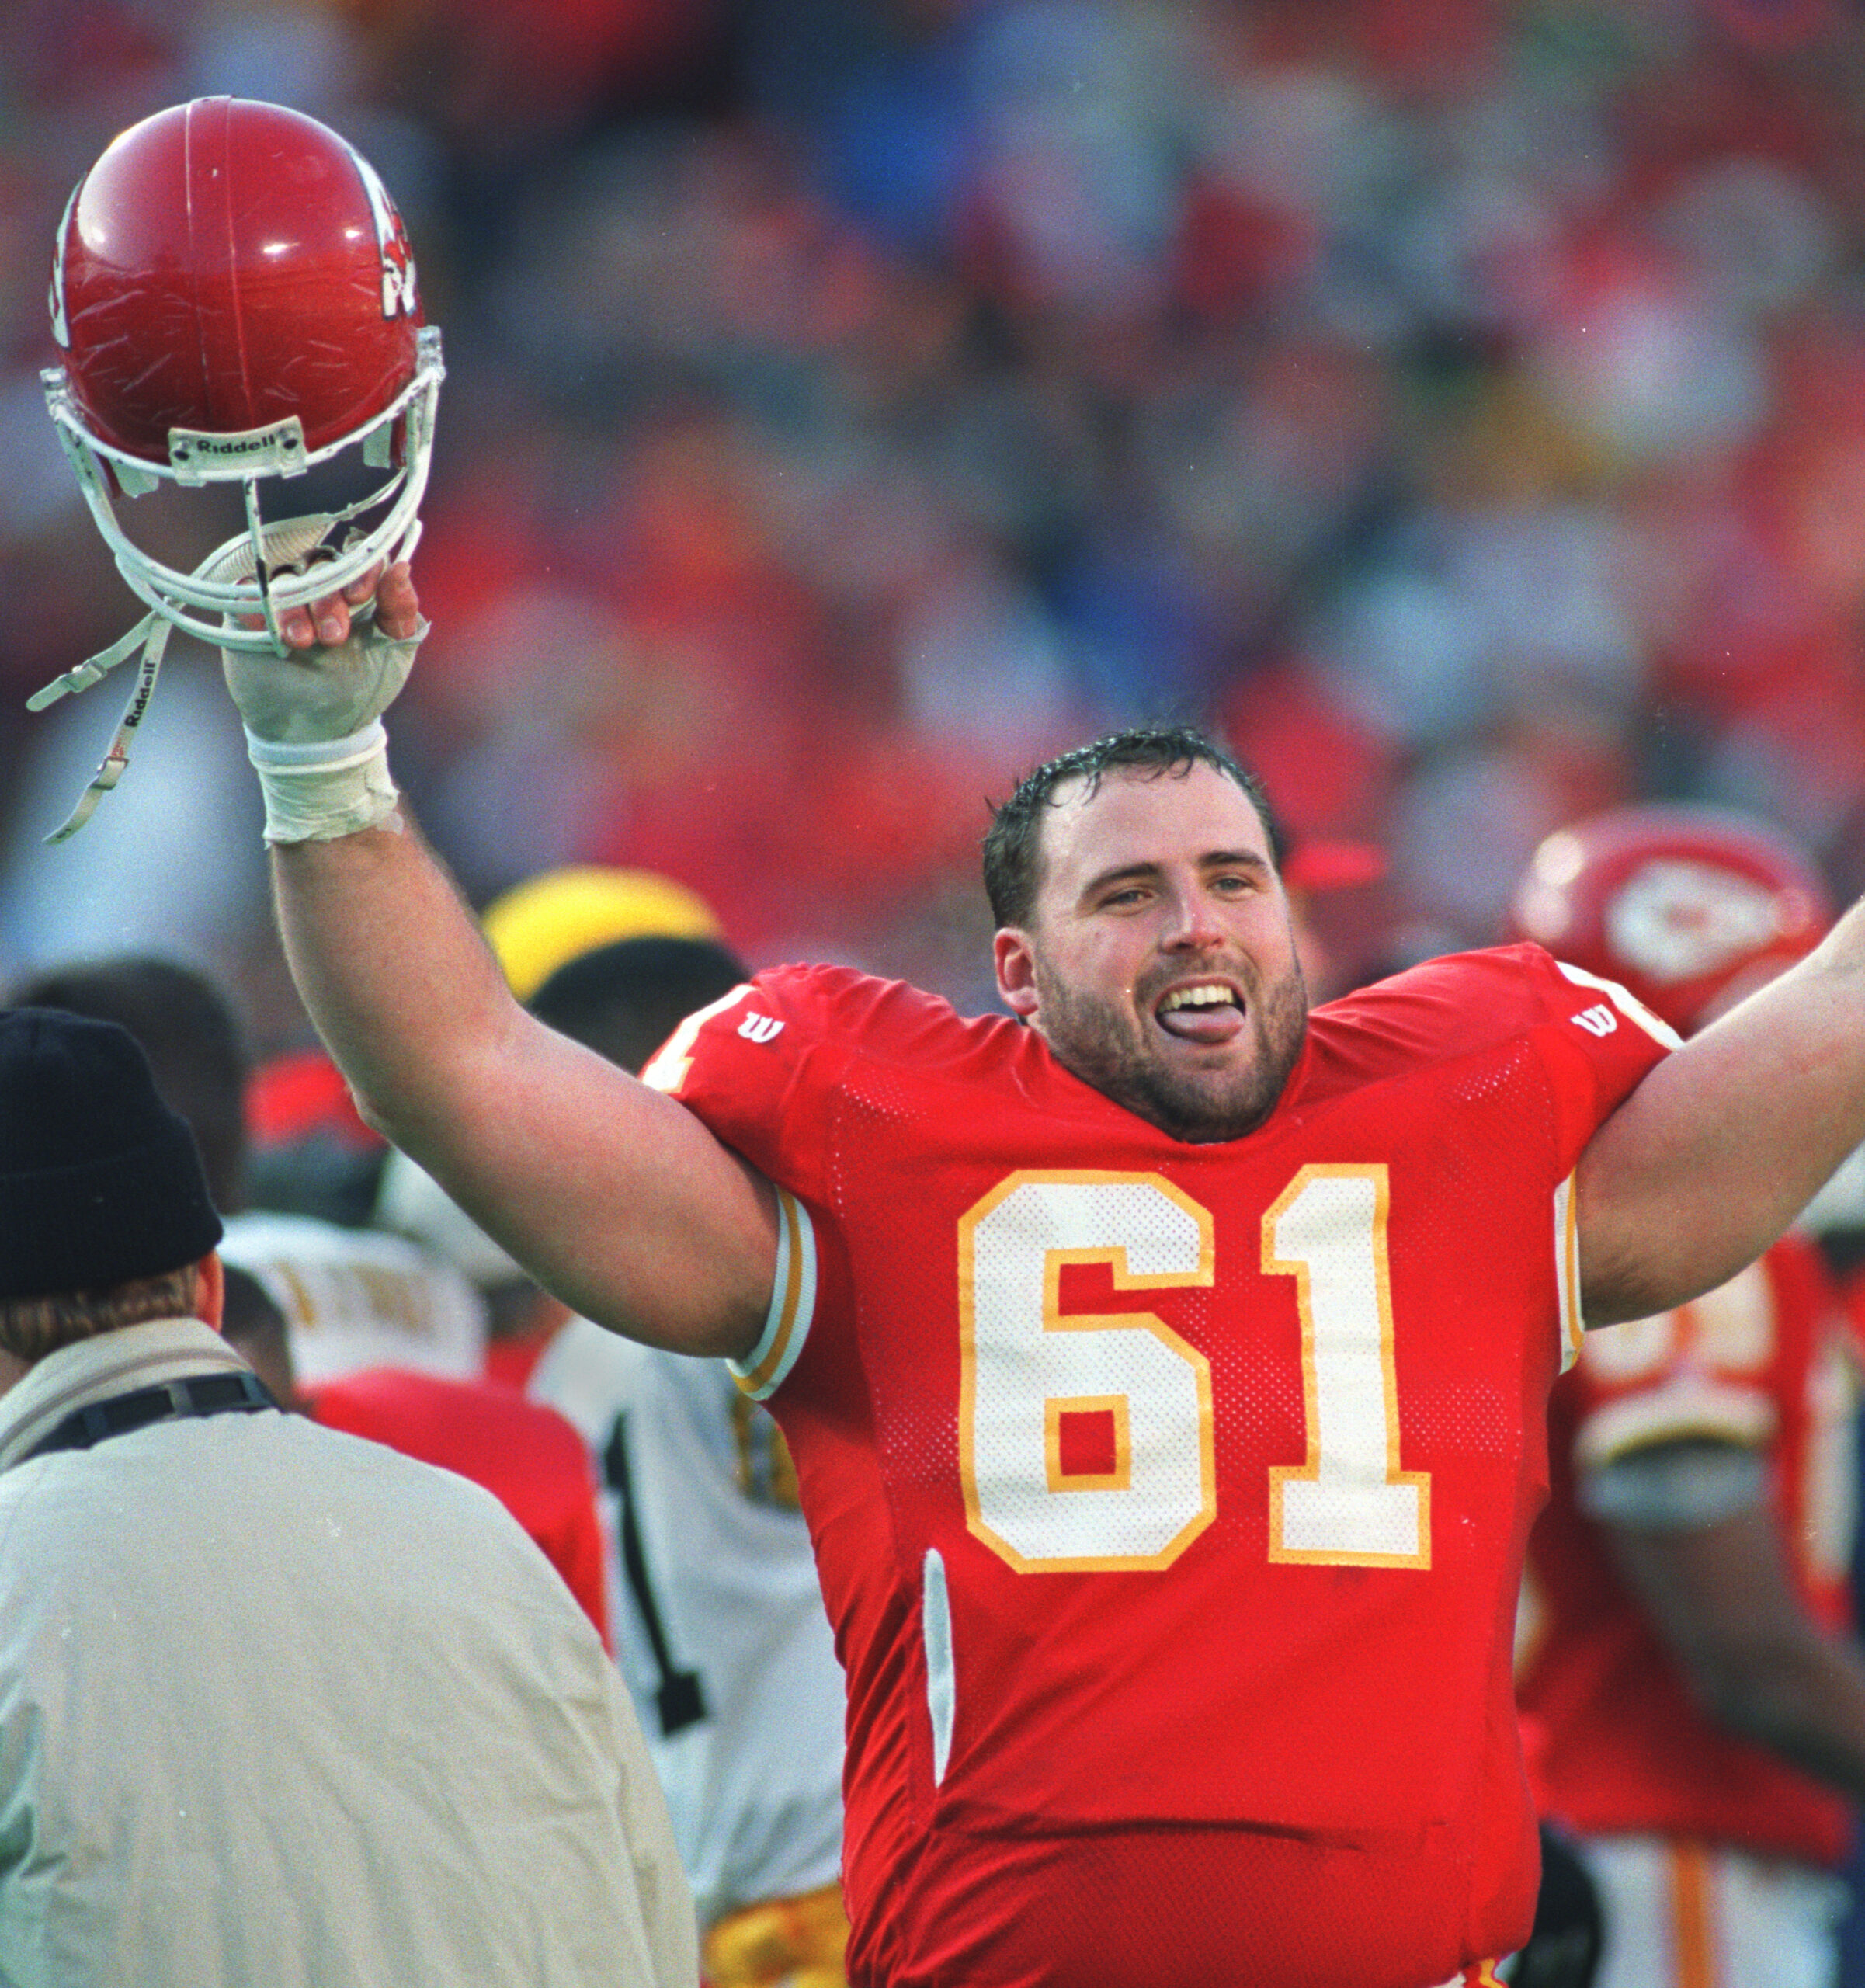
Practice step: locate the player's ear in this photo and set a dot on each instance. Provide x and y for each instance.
(1016, 963)
(209, 1290)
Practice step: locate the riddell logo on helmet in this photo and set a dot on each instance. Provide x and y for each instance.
(238, 445)
(279, 448)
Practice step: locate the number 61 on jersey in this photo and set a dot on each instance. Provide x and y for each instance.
(1086, 1440)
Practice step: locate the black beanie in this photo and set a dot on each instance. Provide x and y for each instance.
(100, 1183)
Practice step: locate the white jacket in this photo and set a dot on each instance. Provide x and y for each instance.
(279, 1705)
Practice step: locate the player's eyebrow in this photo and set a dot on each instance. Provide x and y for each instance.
(1143, 871)
(1237, 859)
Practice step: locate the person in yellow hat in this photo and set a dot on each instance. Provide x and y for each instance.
(538, 925)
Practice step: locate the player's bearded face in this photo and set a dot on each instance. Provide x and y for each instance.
(1159, 964)
(1109, 1041)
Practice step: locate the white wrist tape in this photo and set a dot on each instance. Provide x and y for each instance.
(327, 787)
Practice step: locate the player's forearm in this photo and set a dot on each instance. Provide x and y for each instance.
(1724, 1143)
(1722, 1600)
(1804, 1699)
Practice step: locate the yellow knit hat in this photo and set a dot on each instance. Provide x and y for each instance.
(538, 926)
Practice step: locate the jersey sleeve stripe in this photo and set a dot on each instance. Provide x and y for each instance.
(1567, 1272)
(793, 1303)
(942, 1682)
(1691, 1406)
(667, 1068)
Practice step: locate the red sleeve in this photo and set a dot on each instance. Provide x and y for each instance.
(576, 1549)
(1593, 1039)
(760, 1066)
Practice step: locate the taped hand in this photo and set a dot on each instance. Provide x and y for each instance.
(350, 655)
(313, 716)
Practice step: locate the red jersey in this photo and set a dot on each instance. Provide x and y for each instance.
(526, 1454)
(1621, 1745)
(1170, 1500)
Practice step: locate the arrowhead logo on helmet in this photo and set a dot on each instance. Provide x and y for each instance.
(398, 291)
(1689, 907)
(234, 300)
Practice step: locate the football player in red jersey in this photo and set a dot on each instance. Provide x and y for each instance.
(1166, 1377)
(1165, 1366)
(1698, 1703)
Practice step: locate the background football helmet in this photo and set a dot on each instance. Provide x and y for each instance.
(1688, 908)
(234, 300)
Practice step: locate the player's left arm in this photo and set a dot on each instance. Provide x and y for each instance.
(1720, 1596)
(1722, 1144)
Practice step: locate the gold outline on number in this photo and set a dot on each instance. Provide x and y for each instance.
(1114, 1257)
(1310, 1472)
(1055, 1407)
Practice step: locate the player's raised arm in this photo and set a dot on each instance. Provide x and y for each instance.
(289, 333)
(613, 1196)
(1725, 1141)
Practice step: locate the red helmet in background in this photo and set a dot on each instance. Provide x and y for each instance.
(234, 299)
(1688, 908)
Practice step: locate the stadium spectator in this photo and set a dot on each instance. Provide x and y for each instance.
(354, 1298)
(1469, 483)
(275, 1704)
(1687, 1659)
(888, 1216)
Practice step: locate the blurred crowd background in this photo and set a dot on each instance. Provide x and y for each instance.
(1462, 405)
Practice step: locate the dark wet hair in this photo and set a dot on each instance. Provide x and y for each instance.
(1013, 843)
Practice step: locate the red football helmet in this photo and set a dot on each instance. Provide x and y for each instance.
(1688, 908)
(234, 298)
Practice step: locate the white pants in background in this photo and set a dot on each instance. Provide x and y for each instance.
(1682, 1914)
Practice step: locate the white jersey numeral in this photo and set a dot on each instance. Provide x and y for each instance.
(1350, 1504)
(1036, 1383)
(1086, 1440)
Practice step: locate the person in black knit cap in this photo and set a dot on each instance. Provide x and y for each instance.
(276, 1704)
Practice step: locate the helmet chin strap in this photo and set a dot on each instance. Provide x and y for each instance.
(285, 544)
(150, 633)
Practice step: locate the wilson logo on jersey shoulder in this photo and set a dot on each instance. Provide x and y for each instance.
(1601, 1018)
(759, 1028)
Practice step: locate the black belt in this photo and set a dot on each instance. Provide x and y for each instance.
(202, 1394)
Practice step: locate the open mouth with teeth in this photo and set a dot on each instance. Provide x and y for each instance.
(1204, 1011)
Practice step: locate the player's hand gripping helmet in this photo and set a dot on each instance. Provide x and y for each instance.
(234, 300)
(1688, 908)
